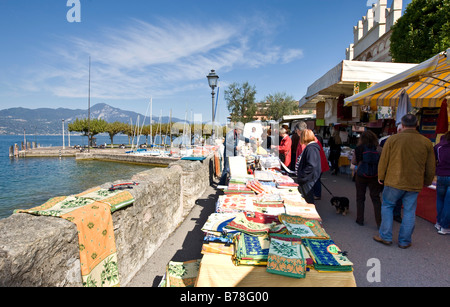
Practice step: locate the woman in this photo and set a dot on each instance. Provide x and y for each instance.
(367, 154)
(284, 149)
(442, 152)
(308, 165)
(335, 151)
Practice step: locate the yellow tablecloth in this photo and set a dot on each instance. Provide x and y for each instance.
(219, 271)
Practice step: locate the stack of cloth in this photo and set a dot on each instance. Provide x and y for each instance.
(238, 188)
(327, 256)
(218, 239)
(251, 250)
(302, 209)
(181, 274)
(254, 223)
(303, 227)
(271, 204)
(235, 203)
(287, 256)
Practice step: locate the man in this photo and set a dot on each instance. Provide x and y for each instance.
(407, 164)
(284, 148)
(231, 149)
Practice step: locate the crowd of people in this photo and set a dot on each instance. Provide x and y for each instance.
(394, 171)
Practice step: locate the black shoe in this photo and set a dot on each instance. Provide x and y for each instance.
(398, 219)
(360, 223)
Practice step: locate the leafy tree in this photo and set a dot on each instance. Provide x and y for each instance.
(281, 104)
(115, 128)
(89, 129)
(422, 32)
(241, 102)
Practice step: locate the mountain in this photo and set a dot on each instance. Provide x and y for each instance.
(49, 121)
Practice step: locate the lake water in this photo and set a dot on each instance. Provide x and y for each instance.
(29, 182)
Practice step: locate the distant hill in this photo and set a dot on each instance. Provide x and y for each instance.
(49, 121)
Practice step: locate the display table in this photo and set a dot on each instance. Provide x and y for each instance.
(426, 204)
(219, 271)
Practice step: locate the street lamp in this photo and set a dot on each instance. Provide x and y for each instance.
(212, 80)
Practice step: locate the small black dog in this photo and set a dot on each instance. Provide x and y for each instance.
(341, 204)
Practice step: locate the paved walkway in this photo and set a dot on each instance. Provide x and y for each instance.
(424, 264)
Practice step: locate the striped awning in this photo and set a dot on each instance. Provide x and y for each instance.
(427, 84)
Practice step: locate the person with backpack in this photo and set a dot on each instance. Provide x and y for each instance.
(367, 155)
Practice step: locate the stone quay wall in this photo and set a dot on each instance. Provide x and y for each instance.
(37, 251)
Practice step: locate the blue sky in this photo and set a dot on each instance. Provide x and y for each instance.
(142, 49)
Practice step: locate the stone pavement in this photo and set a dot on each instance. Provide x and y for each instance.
(424, 264)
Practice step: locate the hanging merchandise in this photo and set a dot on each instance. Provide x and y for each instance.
(442, 122)
(384, 112)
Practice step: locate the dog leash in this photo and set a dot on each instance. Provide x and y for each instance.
(326, 188)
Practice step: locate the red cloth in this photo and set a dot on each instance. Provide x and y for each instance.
(442, 122)
(285, 148)
(323, 158)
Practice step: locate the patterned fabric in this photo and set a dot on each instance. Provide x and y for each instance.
(217, 221)
(255, 223)
(286, 256)
(218, 248)
(305, 210)
(234, 203)
(251, 250)
(303, 227)
(91, 212)
(181, 274)
(327, 256)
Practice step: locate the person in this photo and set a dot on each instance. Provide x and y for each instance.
(323, 158)
(367, 147)
(335, 151)
(407, 163)
(442, 152)
(308, 168)
(231, 149)
(398, 205)
(284, 148)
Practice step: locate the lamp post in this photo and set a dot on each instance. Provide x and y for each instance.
(213, 79)
(64, 143)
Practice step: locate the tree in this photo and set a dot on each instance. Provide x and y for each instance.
(89, 129)
(241, 102)
(115, 128)
(281, 104)
(422, 32)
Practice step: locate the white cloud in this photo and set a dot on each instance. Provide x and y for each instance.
(145, 59)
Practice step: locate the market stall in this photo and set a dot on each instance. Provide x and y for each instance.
(426, 86)
(263, 234)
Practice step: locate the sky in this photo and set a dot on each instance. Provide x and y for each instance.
(162, 51)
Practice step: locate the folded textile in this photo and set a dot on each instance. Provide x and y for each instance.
(302, 209)
(303, 227)
(218, 248)
(251, 250)
(254, 223)
(91, 212)
(234, 203)
(217, 221)
(327, 256)
(181, 274)
(286, 256)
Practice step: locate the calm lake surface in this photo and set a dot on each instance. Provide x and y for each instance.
(29, 182)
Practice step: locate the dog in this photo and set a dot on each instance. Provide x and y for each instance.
(341, 204)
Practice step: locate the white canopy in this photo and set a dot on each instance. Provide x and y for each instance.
(341, 79)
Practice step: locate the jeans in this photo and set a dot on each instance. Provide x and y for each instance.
(443, 201)
(225, 172)
(409, 199)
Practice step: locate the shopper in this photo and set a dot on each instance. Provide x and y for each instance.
(367, 155)
(407, 163)
(323, 158)
(231, 149)
(284, 149)
(308, 168)
(442, 152)
(335, 151)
